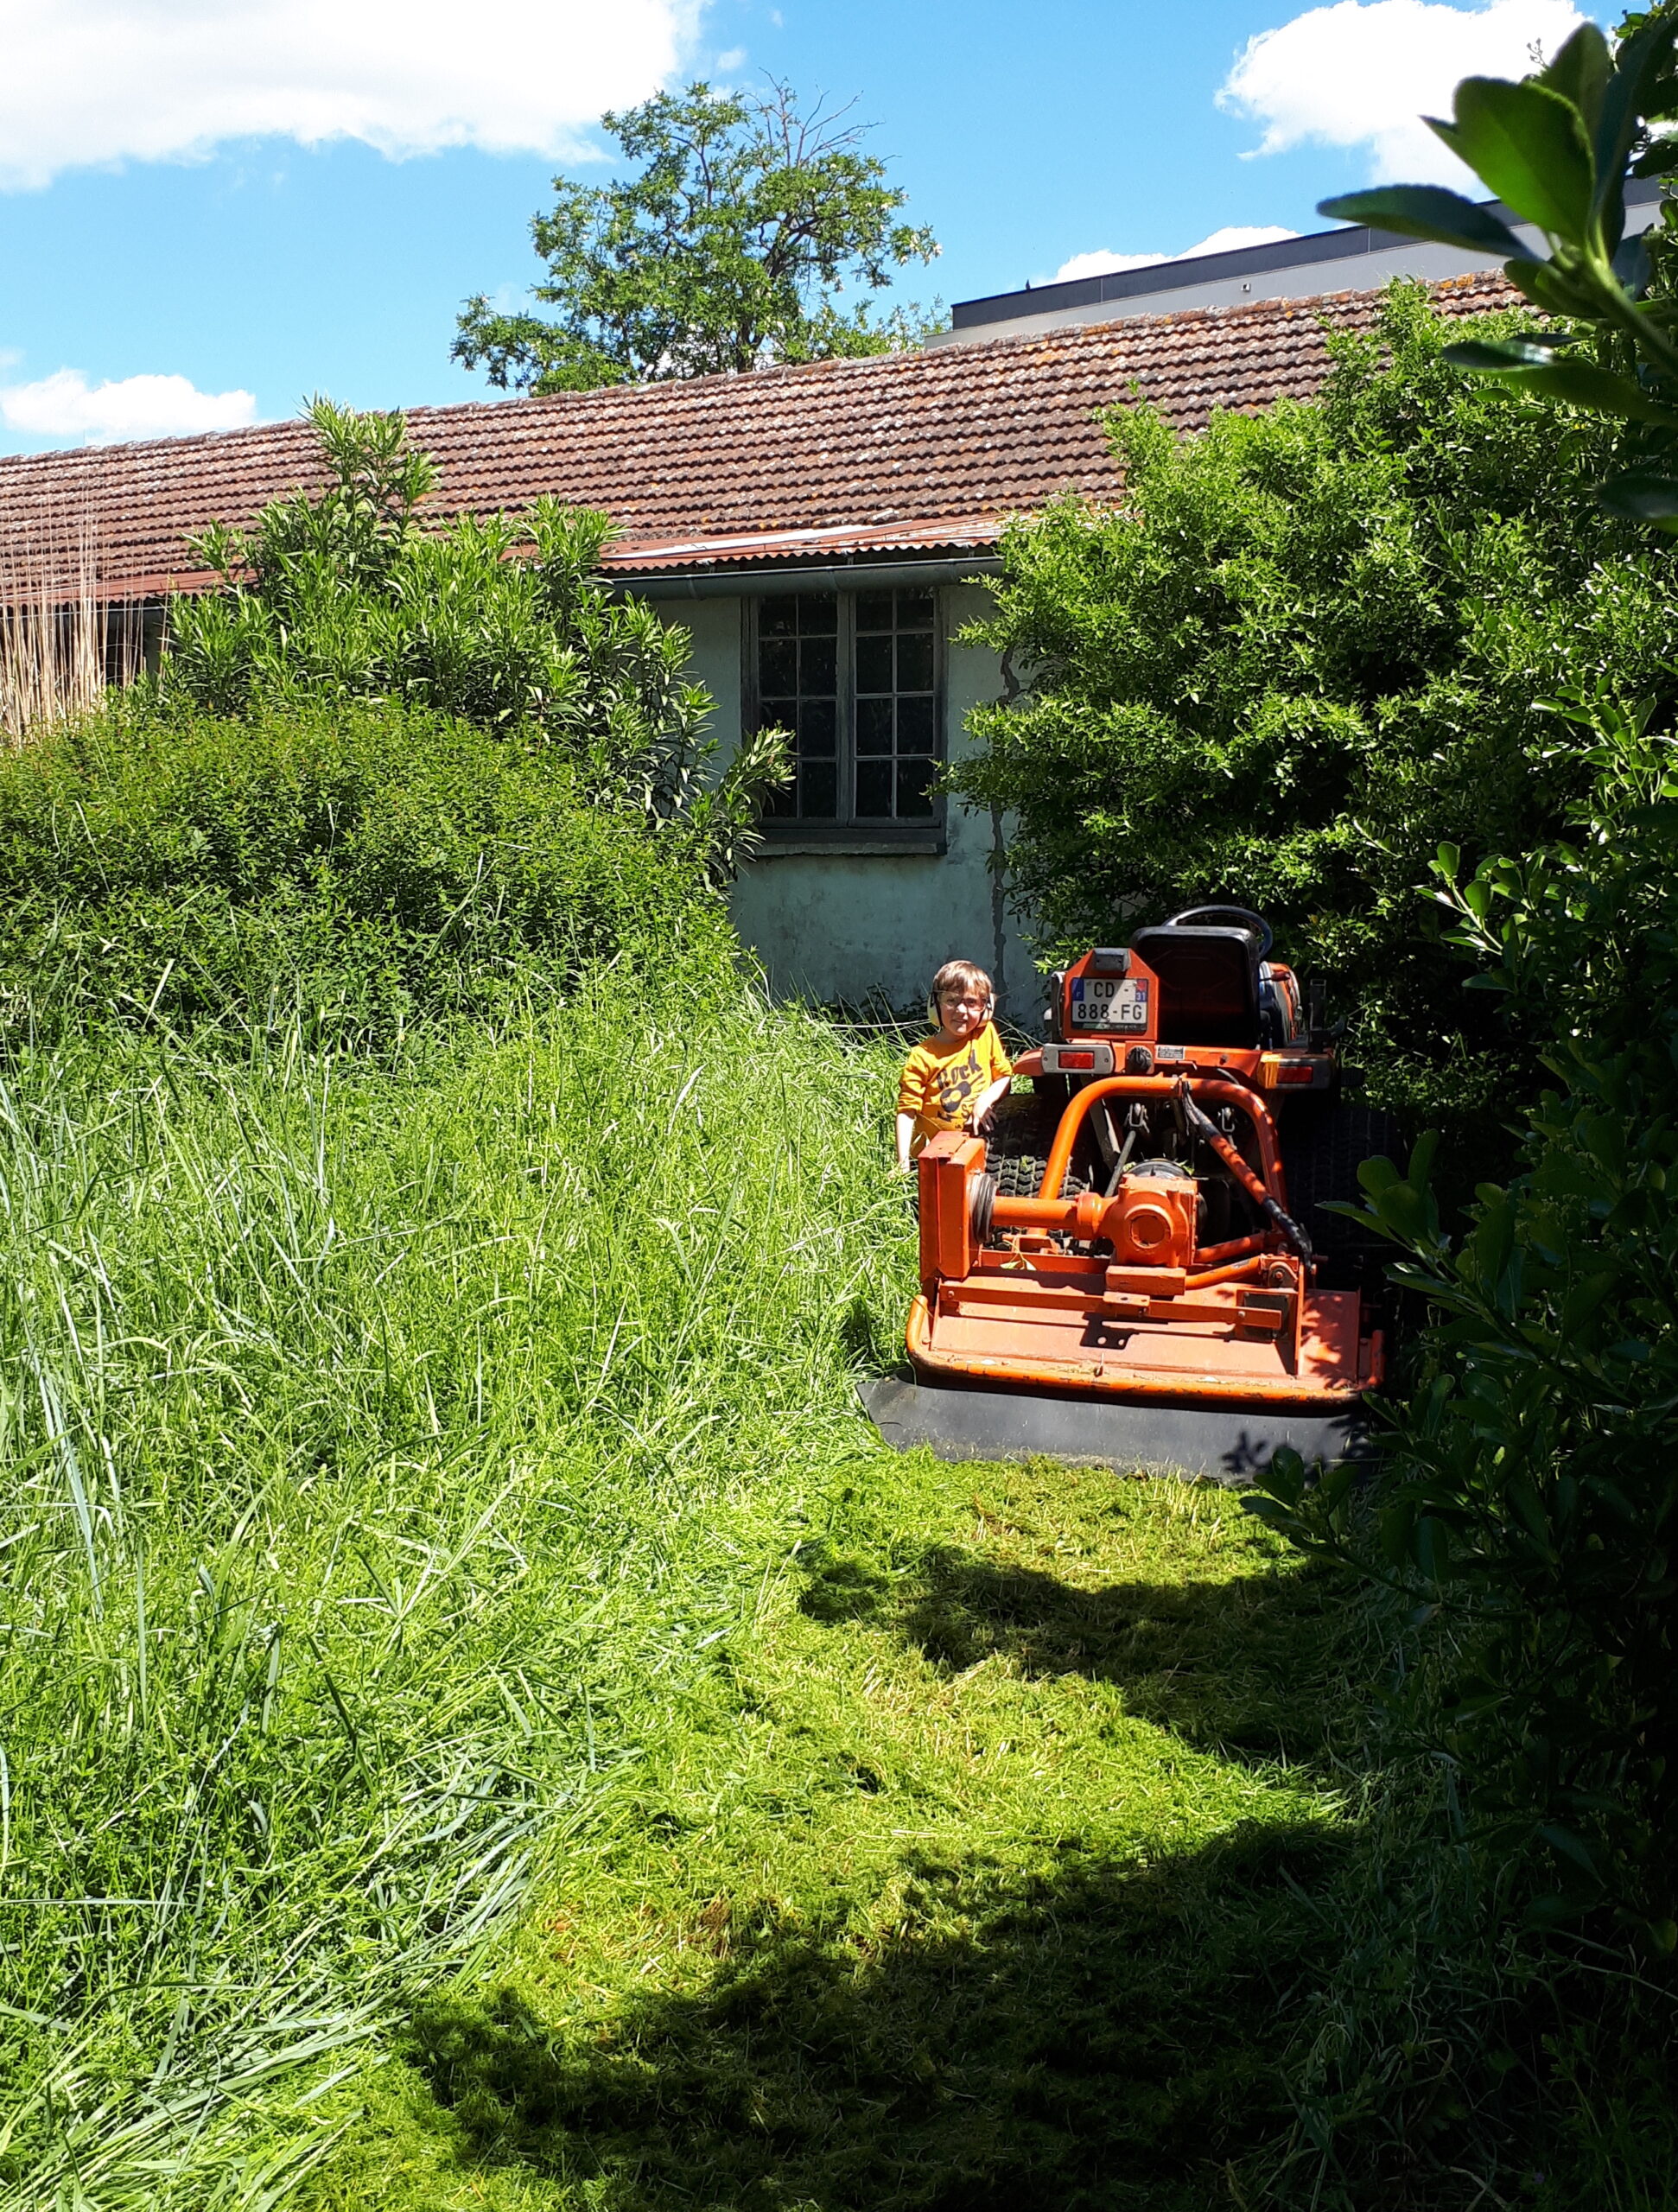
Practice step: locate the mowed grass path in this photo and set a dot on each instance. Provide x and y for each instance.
(978, 1872)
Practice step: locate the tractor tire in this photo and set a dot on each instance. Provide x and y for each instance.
(1323, 1146)
(1018, 1138)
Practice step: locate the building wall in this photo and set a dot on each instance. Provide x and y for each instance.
(856, 927)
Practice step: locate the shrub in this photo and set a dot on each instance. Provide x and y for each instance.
(500, 621)
(1531, 1496)
(355, 868)
(1306, 654)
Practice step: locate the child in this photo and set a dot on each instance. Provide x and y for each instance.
(952, 1081)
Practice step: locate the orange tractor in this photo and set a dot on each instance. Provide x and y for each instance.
(1134, 1263)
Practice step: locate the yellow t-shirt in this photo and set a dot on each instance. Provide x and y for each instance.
(940, 1082)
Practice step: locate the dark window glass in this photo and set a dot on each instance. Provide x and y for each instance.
(866, 736)
(778, 668)
(818, 789)
(873, 664)
(798, 690)
(873, 725)
(915, 726)
(914, 794)
(874, 788)
(818, 728)
(914, 661)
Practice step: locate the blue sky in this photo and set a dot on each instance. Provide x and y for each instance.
(240, 202)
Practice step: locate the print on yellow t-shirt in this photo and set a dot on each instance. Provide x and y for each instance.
(940, 1082)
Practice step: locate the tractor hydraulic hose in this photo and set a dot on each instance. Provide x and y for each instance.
(1207, 1130)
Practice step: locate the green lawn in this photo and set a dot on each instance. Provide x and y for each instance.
(976, 1871)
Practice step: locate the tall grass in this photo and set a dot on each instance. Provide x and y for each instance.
(62, 642)
(372, 1449)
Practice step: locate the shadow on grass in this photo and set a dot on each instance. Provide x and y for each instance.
(1095, 2036)
(1246, 1665)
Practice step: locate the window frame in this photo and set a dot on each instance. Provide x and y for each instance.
(849, 832)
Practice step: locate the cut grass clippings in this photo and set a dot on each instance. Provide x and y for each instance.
(977, 1872)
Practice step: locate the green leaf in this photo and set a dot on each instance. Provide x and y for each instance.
(1573, 1847)
(1580, 73)
(1642, 496)
(1550, 287)
(1632, 267)
(1497, 359)
(1529, 145)
(1635, 66)
(1578, 384)
(1428, 211)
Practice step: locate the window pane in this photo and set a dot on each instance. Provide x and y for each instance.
(914, 798)
(777, 667)
(914, 662)
(874, 663)
(818, 789)
(819, 614)
(777, 618)
(873, 610)
(874, 788)
(783, 803)
(817, 729)
(916, 726)
(777, 714)
(873, 725)
(818, 665)
(914, 610)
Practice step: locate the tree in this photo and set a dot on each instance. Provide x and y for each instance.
(730, 251)
(1310, 648)
(497, 620)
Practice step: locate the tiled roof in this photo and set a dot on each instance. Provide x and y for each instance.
(895, 452)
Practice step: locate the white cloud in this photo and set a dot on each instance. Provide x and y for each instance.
(65, 405)
(106, 80)
(1102, 264)
(1363, 72)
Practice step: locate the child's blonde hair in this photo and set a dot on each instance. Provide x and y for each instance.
(964, 973)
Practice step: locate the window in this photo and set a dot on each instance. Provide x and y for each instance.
(853, 675)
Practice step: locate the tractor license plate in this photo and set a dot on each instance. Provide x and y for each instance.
(1110, 1002)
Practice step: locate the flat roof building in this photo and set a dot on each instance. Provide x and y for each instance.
(1353, 258)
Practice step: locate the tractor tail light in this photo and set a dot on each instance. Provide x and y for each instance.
(1078, 1059)
(1295, 1072)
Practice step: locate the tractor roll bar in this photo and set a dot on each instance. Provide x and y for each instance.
(1215, 1088)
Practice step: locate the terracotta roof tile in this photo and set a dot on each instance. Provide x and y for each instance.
(892, 453)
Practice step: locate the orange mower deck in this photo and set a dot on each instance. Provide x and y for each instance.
(1132, 1248)
(1240, 1329)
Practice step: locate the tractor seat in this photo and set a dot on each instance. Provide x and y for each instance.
(1209, 984)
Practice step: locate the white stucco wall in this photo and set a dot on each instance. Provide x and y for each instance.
(840, 926)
